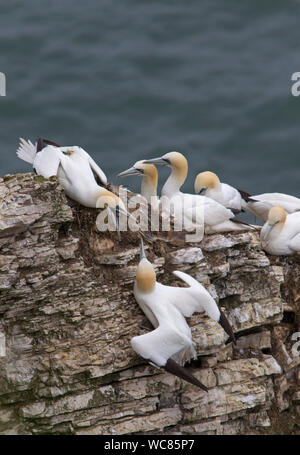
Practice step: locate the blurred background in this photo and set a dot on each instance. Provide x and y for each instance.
(135, 79)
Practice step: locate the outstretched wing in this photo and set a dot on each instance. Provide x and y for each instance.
(100, 177)
(195, 299)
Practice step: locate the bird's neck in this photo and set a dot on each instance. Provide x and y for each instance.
(175, 181)
(215, 189)
(149, 187)
(276, 231)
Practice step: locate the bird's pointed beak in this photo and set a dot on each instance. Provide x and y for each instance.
(142, 251)
(161, 161)
(223, 321)
(131, 171)
(114, 212)
(268, 230)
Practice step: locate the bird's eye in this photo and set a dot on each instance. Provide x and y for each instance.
(167, 161)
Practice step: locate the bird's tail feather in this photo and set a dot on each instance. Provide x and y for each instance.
(174, 368)
(26, 151)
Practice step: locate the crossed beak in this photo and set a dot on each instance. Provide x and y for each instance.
(268, 230)
(131, 171)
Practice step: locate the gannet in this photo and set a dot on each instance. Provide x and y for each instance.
(260, 204)
(280, 235)
(171, 340)
(76, 172)
(166, 307)
(149, 175)
(208, 183)
(217, 218)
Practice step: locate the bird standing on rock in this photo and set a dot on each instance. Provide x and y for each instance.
(76, 171)
(208, 184)
(196, 208)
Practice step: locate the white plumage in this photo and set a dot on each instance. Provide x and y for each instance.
(208, 183)
(280, 235)
(76, 171)
(196, 209)
(73, 166)
(166, 307)
(266, 201)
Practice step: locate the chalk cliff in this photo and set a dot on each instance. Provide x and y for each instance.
(68, 313)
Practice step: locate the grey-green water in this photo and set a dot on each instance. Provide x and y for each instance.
(135, 79)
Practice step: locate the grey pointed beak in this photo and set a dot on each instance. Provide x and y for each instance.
(115, 213)
(131, 171)
(160, 161)
(268, 230)
(142, 251)
(223, 321)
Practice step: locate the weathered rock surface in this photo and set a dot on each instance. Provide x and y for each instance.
(68, 313)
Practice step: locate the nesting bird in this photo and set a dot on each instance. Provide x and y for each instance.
(170, 345)
(76, 171)
(280, 235)
(208, 184)
(216, 217)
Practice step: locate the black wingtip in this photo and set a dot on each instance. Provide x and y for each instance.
(223, 321)
(42, 143)
(174, 368)
(246, 196)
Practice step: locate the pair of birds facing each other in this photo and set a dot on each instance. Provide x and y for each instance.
(208, 184)
(216, 217)
(80, 176)
(170, 344)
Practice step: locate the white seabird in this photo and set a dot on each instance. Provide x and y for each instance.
(149, 175)
(260, 204)
(166, 307)
(76, 171)
(280, 235)
(208, 183)
(217, 218)
(171, 340)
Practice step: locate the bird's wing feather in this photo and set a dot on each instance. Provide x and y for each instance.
(160, 344)
(197, 299)
(213, 212)
(294, 243)
(26, 151)
(94, 166)
(47, 161)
